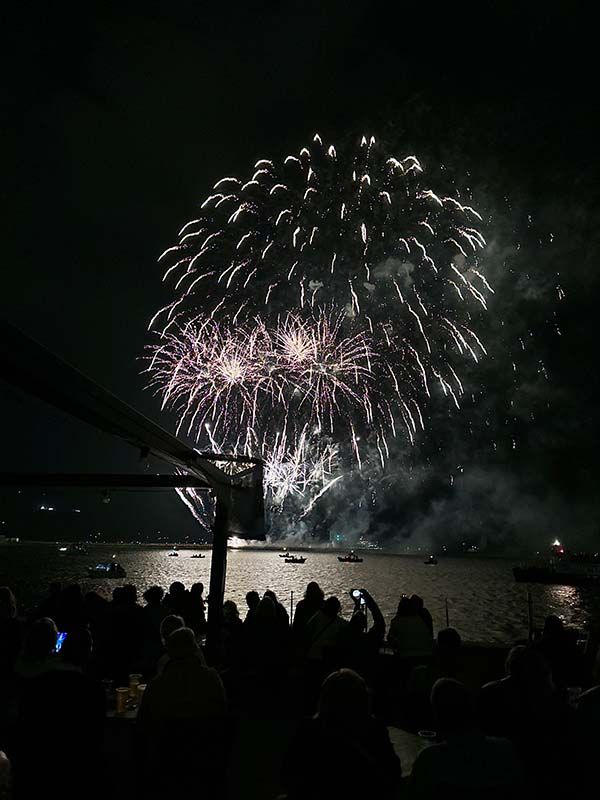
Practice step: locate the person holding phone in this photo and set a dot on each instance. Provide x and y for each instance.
(364, 642)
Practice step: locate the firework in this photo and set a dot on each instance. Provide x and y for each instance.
(318, 307)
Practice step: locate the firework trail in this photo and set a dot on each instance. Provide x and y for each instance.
(318, 307)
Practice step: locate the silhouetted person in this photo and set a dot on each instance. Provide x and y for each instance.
(559, 647)
(342, 752)
(70, 612)
(526, 708)
(50, 604)
(306, 608)
(363, 643)
(465, 763)
(266, 642)
(446, 663)
(61, 721)
(153, 614)
(419, 606)
(252, 601)
(126, 630)
(195, 615)
(177, 599)
(169, 624)
(11, 633)
(233, 634)
(281, 613)
(409, 635)
(182, 724)
(11, 642)
(38, 654)
(325, 632)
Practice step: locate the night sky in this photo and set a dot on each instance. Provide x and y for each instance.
(120, 122)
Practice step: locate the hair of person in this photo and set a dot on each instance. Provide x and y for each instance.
(154, 595)
(8, 603)
(196, 590)
(332, 606)
(417, 602)
(527, 666)
(344, 698)
(252, 599)
(77, 647)
(40, 640)
(448, 639)
(182, 643)
(230, 609)
(270, 593)
(176, 588)
(265, 609)
(452, 706)
(170, 624)
(314, 593)
(405, 607)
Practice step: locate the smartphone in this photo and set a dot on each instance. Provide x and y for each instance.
(60, 641)
(356, 594)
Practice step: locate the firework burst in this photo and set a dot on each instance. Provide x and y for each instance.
(322, 301)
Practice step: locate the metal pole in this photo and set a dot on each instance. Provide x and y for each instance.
(447, 614)
(218, 572)
(291, 606)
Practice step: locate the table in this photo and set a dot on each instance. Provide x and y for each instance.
(407, 747)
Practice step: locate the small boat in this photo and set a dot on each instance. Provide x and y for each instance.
(351, 558)
(295, 560)
(198, 555)
(431, 561)
(285, 554)
(173, 554)
(63, 549)
(107, 569)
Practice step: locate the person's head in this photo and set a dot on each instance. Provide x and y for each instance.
(553, 627)
(265, 609)
(344, 698)
(176, 589)
(117, 595)
(452, 707)
(8, 604)
(448, 641)
(405, 607)
(182, 644)
(230, 611)
(129, 594)
(332, 607)
(196, 591)
(170, 624)
(417, 603)
(272, 595)
(528, 669)
(40, 641)
(314, 593)
(252, 600)
(154, 595)
(77, 647)
(71, 595)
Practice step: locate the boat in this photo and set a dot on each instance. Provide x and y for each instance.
(295, 560)
(73, 548)
(351, 558)
(107, 569)
(173, 554)
(563, 568)
(285, 554)
(431, 561)
(198, 555)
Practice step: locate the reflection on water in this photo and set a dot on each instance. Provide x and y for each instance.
(484, 602)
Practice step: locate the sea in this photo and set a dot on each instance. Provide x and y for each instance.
(480, 596)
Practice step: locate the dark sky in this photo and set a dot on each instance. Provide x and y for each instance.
(119, 121)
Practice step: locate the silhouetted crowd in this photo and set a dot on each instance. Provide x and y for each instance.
(122, 698)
